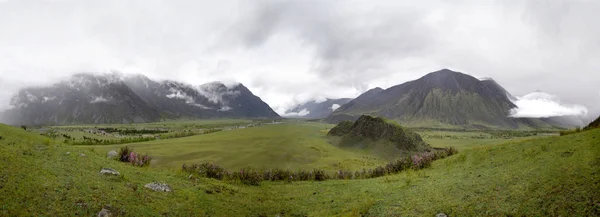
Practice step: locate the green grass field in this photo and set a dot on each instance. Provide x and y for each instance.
(300, 145)
(467, 140)
(556, 176)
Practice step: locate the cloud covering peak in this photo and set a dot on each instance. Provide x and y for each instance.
(543, 105)
(288, 52)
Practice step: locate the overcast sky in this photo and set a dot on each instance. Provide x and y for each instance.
(288, 52)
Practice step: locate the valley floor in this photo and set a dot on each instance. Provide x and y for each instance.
(555, 176)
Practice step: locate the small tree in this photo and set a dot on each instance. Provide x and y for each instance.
(24, 127)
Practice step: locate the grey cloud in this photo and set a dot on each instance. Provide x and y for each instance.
(346, 44)
(289, 52)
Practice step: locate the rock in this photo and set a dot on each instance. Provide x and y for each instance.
(157, 186)
(104, 213)
(441, 215)
(190, 176)
(68, 153)
(82, 154)
(112, 154)
(109, 171)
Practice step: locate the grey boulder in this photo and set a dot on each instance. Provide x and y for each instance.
(109, 171)
(157, 186)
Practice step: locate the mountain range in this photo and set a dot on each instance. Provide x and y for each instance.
(316, 109)
(443, 98)
(115, 98)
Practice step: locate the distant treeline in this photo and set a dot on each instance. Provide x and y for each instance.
(417, 129)
(94, 141)
(127, 131)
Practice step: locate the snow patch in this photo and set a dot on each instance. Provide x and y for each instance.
(543, 105)
(176, 94)
(200, 105)
(224, 109)
(99, 99)
(46, 99)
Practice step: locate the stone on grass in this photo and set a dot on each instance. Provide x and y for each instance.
(157, 186)
(441, 215)
(112, 154)
(109, 171)
(104, 213)
(82, 154)
(68, 153)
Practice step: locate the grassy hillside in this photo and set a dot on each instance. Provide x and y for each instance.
(557, 176)
(288, 146)
(593, 124)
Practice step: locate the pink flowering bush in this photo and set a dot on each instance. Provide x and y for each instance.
(126, 154)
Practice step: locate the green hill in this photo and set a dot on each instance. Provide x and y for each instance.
(371, 131)
(593, 124)
(557, 176)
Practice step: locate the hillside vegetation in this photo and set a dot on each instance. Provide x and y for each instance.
(593, 124)
(368, 132)
(557, 176)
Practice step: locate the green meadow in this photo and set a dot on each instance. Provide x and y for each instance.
(525, 176)
(301, 145)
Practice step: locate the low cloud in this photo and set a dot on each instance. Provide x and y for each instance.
(302, 113)
(543, 105)
(334, 107)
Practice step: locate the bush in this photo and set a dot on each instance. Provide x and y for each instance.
(451, 151)
(249, 176)
(422, 161)
(24, 127)
(208, 170)
(139, 160)
(319, 175)
(377, 172)
(341, 174)
(303, 175)
(126, 154)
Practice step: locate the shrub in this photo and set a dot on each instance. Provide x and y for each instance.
(422, 161)
(124, 154)
(208, 170)
(250, 176)
(303, 175)
(1, 138)
(377, 172)
(139, 160)
(24, 127)
(319, 175)
(451, 151)
(280, 175)
(341, 174)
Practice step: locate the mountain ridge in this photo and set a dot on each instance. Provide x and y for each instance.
(442, 98)
(86, 98)
(317, 110)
